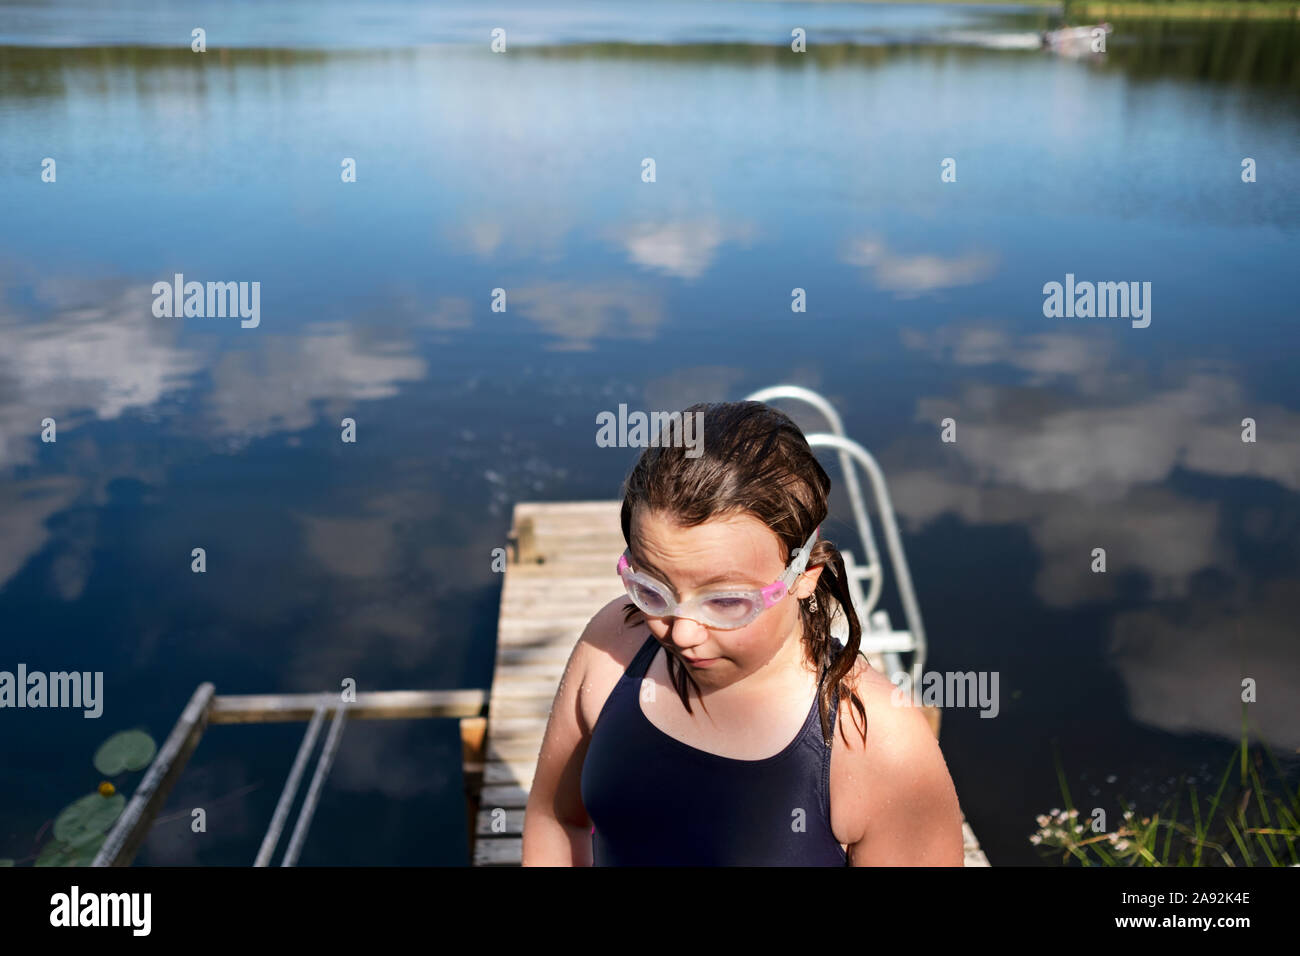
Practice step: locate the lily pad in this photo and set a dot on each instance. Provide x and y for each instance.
(128, 750)
(83, 820)
(58, 853)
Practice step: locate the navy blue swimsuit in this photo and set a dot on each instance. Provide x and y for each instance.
(656, 801)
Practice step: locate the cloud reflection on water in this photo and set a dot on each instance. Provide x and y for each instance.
(98, 353)
(912, 275)
(1096, 473)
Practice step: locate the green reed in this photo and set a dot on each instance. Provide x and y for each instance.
(1245, 824)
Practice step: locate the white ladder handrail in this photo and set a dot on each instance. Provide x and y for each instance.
(871, 569)
(893, 540)
(851, 453)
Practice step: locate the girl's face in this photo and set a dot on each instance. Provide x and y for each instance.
(738, 551)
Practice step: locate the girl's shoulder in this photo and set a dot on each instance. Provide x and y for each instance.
(614, 632)
(607, 648)
(886, 709)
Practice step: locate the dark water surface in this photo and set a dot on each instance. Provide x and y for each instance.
(522, 171)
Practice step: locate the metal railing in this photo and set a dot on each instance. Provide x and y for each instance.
(206, 707)
(877, 634)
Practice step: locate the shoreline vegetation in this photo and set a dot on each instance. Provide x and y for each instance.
(1140, 9)
(1236, 829)
(1184, 9)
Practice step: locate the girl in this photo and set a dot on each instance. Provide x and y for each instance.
(695, 721)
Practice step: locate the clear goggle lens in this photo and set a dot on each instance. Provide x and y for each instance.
(717, 610)
(721, 609)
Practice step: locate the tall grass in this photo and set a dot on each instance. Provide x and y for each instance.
(1242, 825)
(1075, 10)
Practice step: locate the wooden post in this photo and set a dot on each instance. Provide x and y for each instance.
(473, 733)
(526, 543)
(932, 715)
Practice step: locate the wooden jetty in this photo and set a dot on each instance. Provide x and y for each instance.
(559, 573)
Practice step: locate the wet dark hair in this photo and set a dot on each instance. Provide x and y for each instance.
(754, 461)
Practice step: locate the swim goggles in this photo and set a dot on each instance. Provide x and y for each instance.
(723, 610)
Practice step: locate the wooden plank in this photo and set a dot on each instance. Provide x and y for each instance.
(498, 851)
(524, 687)
(503, 795)
(510, 657)
(560, 637)
(498, 773)
(540, 602)
(542, 626)
(528, 673)
(604, 511)
(513, 820)
(369, 705)
(511, 707)
(586, 593)
(538, 630)
(516, 728)
(591, 568)
(514, 749)
(128, 833)
(558, 542)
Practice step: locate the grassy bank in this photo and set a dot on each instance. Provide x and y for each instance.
(1256, 822)
(1182, 9)
(1170, 9)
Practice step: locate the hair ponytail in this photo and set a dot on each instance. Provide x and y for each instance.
(832, 595)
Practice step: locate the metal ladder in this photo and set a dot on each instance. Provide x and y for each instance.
(878, 636)
(206, 707)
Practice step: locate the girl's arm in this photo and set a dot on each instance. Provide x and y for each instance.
(909, 813)
(557, 830)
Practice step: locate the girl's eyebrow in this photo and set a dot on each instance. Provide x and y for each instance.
(725, 576)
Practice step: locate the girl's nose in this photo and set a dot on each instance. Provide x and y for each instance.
(687, 633)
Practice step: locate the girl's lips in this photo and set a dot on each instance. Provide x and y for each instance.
(701, 661)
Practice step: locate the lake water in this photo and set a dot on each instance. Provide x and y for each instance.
(774, 171)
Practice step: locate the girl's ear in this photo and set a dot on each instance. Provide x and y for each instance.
(806, 583)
